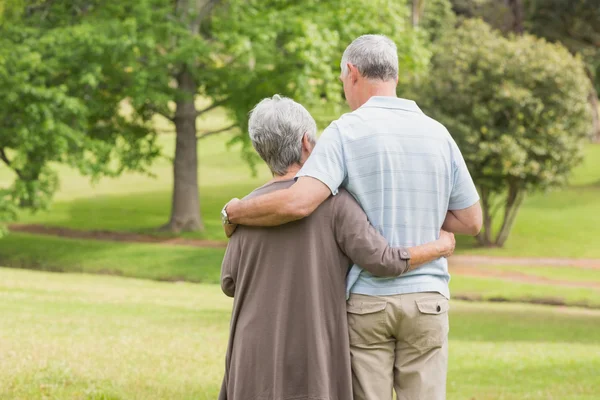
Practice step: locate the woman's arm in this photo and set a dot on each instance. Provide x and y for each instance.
(229, 267)
(366, 247)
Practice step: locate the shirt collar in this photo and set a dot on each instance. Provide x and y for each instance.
(393, 103)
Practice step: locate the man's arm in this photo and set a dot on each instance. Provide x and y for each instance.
(366, 247)
(467, 221)
(281, 206)
(464, 210)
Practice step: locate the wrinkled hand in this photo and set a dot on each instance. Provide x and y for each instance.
(230, 228)
(447, 242)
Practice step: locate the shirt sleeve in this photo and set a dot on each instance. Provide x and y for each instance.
(326, 163)
(229, 267)
(463, 194)
(357, 238)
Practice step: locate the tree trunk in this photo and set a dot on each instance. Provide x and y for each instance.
(593, 100)
(485, 236)
(185, 208)
(513, 203)
(417, 11)
(185, 211)
(514, 20)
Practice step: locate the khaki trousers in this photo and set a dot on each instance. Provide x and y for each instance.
(399, 342)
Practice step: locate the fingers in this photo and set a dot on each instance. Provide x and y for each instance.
(229, 229)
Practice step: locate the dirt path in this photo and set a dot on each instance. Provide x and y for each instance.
(515, 276)
(589, 263)
(115, 236)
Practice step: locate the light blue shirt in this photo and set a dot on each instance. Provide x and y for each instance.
(406, 171)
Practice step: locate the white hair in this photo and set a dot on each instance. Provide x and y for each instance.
(276, 127)
(375, 57)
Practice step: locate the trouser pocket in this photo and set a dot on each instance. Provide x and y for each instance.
(430, 325)
(366, 320)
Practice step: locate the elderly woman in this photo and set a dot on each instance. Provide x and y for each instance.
(289, 337)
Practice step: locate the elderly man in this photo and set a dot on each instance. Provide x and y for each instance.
(409, 176)
(289, 337)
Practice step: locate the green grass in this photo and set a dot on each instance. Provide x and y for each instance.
(148, 261)
(71, 336)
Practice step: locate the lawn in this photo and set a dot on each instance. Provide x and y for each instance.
(74, 336)
(147, 261)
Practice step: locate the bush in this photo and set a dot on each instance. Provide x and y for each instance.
(517, 108)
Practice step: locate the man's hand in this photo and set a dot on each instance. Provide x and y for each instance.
(229, 228)
(447, 243)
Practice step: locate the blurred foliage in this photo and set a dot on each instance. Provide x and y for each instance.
(294, 48)
(438, 19)
(67, 67)
(516, 107)
(574, 23)
(62, 89)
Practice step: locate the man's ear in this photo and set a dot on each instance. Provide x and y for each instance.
(353, 73)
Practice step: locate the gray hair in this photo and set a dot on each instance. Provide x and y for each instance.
(375, 57)
(276, 127)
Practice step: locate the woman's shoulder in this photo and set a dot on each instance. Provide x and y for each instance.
(270, 187)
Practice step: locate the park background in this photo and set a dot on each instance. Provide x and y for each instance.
(123, 133)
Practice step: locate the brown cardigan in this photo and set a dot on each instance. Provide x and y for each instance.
(289, 338)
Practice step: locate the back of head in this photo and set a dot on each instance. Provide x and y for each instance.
(375, 57)
(276, 127)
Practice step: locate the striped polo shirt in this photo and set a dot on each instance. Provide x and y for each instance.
(406, 171)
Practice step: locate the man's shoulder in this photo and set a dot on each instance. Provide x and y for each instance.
(350, 118)
(437, 125)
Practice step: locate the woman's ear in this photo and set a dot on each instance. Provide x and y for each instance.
(307, 144)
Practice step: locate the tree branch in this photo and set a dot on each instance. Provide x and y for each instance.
(203, 12)
(160, 112)
(215, 132)
(513, 202)
(212, 106)
(496, 207)
(8, 163)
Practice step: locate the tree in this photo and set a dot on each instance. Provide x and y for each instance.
(575, 24)
(170, 52)
(514, 18)
(435, 17)
(516, 107)
(61, 89)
